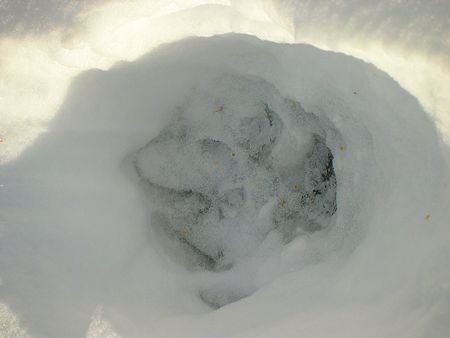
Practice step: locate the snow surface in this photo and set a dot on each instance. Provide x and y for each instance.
(83, 253)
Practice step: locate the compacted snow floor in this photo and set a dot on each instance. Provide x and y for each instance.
(229, 186)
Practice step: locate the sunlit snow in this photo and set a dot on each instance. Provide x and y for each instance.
(162, 178)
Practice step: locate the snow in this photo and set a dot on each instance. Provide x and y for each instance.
(83, 252)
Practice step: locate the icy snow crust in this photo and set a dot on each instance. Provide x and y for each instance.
(168, 186)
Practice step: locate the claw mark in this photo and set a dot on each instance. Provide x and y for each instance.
(269, 114)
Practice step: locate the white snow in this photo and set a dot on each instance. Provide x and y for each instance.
(82, 252)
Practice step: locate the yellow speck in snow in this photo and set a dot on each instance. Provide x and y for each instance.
(219, 109)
